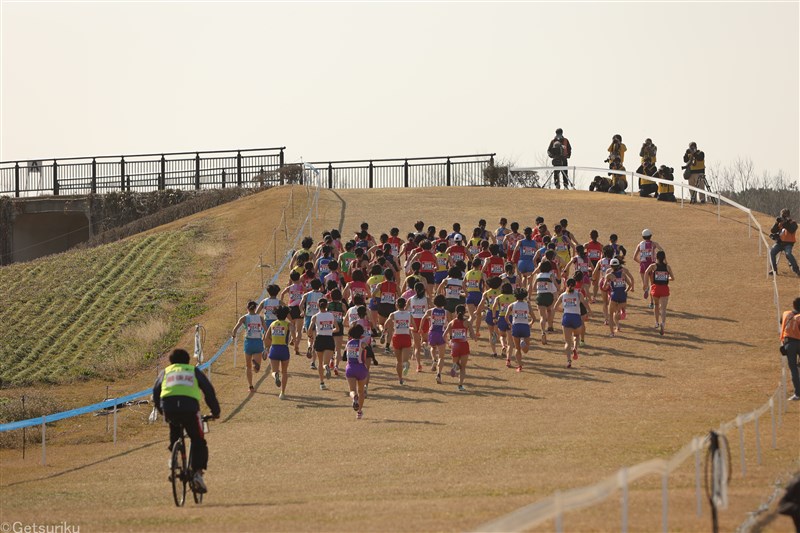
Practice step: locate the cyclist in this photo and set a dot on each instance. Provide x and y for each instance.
(176, 395)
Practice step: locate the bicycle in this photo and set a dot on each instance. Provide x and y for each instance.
(181, 474)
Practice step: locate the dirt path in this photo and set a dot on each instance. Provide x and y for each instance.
(427, 457)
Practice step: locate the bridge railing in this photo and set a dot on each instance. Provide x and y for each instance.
(142, 172)
(441, 171)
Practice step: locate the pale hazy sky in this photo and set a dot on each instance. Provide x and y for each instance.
(370, 80)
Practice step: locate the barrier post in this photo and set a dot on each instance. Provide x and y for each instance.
(261, 268)
(623, 483)
(783, 387)
(758, 441)
(106, 398)
(115, 422)
(741, 444)
(772, 417)
(664, 498)
(235, 349)
(44, 440)
(697, 468)
(719, 203)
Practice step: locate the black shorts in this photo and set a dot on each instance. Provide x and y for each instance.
(324, 343)
(583, 310)
(385, 309)
(294, 312)
(428, 277)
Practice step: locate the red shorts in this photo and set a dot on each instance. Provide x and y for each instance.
(421, 327)
(401, 341)
(459, 348)
(659, 291)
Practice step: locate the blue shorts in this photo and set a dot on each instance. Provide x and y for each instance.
(356, 370)
(474, 297)
(307, 322)
(571, 320)
(373, 304)
(502, 325)
(253, 346)
(619, 298)
(279, 352)
(438, 277)
(521, 330)
(525, 265)
(489, 318)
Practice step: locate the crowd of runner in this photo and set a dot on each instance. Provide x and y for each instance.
(426, 296)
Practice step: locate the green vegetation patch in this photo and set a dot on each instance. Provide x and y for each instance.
(101, 312)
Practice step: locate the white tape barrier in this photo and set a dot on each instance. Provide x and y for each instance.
(554, 507)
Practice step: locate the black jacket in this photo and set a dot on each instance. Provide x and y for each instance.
(185, 404)
(789, 224)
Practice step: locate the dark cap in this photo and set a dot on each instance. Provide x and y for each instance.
(559, 131)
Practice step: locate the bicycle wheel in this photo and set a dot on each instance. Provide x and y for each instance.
(198, 496)
(178, 473)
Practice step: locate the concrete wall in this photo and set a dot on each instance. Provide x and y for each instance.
(39, 234)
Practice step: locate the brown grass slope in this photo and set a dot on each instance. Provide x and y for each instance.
(426, 457)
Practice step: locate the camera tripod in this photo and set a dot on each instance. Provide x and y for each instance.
(702, 183)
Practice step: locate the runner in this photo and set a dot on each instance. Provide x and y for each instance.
(295, 291)
(546, 290)
(457, 329)
(495, 265)
(580, 263)
(442, 263)
(395, 241)
(594, 250)
(509, 275)
(660, 274)
(417, 306)
(357, 287)
(323, 325)
(279, 335)
(485, 234)
(570, 301)
(620, 282)
(357, 371)
(519, 315)
(644, 254)
(336, 237)
(255, 330)
(456, 251)
(373, 282)
(345, 260)
(511, 239)
(437, 317)
(599, 277)
(337, 308)
(580, 334)
(563, 246)
(487, 301)
(500, 233)
(270, 304)
(309, 304)
(322, 266)
(398, 327)
(473, 287)
(619, 251)
(386, 292)
(499, 309)
(451, 238)
(428, 265)
(474, 244)
(525, 250)
(453, 289)
(334, 274)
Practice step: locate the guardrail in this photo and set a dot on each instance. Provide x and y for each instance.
(555, 506)
(142, 172)
(441, 171)
(112, 404)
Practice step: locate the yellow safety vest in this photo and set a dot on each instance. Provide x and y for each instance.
(179, 380)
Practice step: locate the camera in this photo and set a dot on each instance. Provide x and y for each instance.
(774, 236)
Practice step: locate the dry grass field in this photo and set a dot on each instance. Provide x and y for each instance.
(427, 457)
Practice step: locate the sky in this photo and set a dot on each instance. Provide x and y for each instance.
(333, 81)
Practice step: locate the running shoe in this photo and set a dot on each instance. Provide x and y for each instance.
(519, 368)
(322, 386)
(355, 402)
(605, 322)
(494, 354)
(406, 366)
(523, 344)
(336, 370)
(327, 372)
(794, 398)
(199, 484)
(575, 353)
(383, 338)
(661, 330)
(387, 350)
(313, 365)
(277, 379)
(623, 315)
(551, 329)
(582, 344)
(374, 361)
(544, 338)
(359, 415)
(657, 325)
(646, 294)
(401, 382)
(281, 396)
(461, 388)
(256, 365)
(433, 366)
(508, 363)
(419, 367)
(651, 305)
(453, 371)
(251, 388)
(439, 379)
(331, 364)
(308, 353)
(569, 364)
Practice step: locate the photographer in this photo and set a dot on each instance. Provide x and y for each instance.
(694, 170)
(619, 182)
(784, 233)
(666, 192)
(600, 184)
(648, 150)
(790, 344)
(559, 150)
(616, 150)
(647, 187)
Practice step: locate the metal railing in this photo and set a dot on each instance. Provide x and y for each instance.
(142, 172)
(441, 171)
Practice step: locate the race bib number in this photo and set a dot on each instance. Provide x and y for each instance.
(354, 353)
(659, 275)
(497, 269)
(453, 291)
(387, 298)
(442, 262)
(438, 320)
(473, 284)
(325, 325)
(459, 334)
(646, 255)
(312, 308)
(457, 256)
(594, 254)
(527, 250)
(279, 331)
(618, 284)
(402, 326)
(520, 316)
(428, 266)
(418, 310)
(180, 378)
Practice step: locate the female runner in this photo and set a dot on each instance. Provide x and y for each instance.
(519, 315)
(487, 301)
(621, 282)
(457, 329)
(398, 326)
(546, 290)
(295, 291)
(660, 274)
(279, 335)
(644, 255)
(437, 318)
(570, 301)
(255, 330)
(499, 309)
(417, 306)
(323, 324)
(525, 250)
(357, 371)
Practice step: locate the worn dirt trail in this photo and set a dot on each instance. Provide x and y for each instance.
(426, 457)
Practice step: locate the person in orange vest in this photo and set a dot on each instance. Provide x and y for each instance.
(784, 233)
(790, 344)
